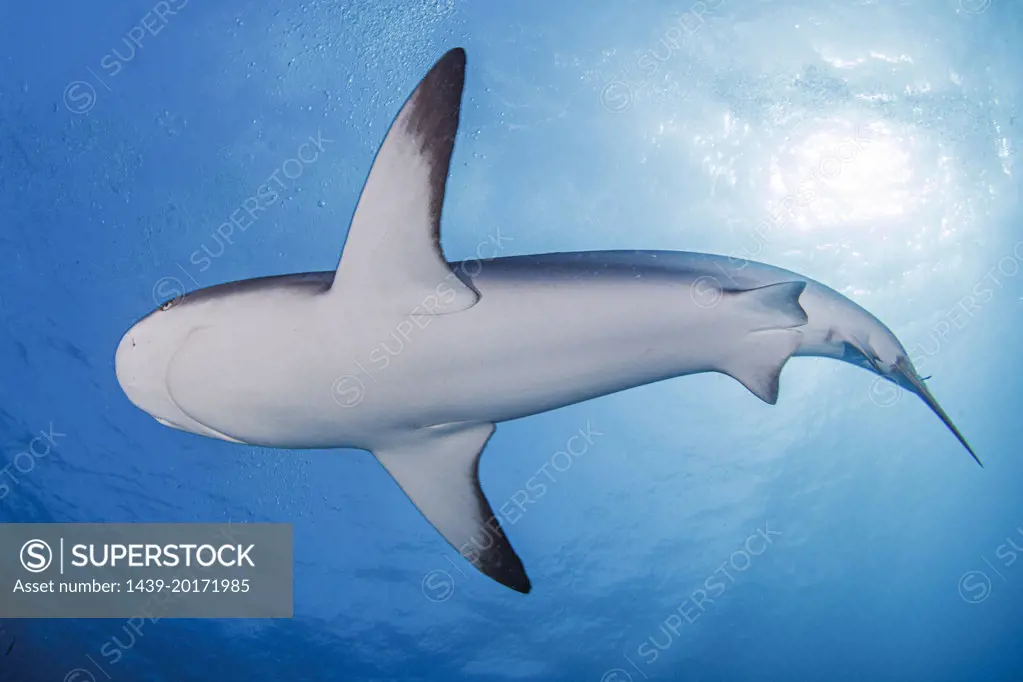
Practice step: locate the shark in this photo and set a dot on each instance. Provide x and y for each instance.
(281, 361)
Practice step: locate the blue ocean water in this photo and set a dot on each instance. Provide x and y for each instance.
(840, 535)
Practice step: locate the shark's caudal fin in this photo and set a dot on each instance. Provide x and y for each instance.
(392, 257)
(772, 312)
(437, 469)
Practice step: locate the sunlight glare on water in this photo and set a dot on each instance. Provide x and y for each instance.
(848, 173)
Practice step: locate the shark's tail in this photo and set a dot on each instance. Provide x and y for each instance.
(771, 315)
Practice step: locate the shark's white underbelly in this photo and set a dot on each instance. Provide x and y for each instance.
(535, 341)
(531, 346)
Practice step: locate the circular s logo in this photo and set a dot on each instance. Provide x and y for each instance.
(167, 289)
(348, 391)
(79, 97)
(706, 291)
(974, 587)
(974, 6)
(884, 393)
(616, 97)
(36, 556)
(438, 585)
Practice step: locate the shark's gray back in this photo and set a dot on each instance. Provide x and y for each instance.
(730, 273)
(834, 319)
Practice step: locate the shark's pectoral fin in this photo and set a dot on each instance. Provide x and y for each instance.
(772, 313)
(437, 469)
(392, 255)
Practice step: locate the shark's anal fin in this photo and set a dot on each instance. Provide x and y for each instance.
(759, 366)
(392, 257)
(774, 313)
(437, 468)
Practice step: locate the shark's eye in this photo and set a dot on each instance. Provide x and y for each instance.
(171, 303)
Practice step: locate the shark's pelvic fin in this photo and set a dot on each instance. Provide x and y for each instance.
(392, 255)
(437, 468)
(774, 313)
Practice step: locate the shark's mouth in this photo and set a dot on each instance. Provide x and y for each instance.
(196, 427)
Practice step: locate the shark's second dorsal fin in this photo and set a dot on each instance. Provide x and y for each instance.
(392, 254)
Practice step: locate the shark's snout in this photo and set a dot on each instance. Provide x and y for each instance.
(124, 361)
(140, 364)
(137, 373)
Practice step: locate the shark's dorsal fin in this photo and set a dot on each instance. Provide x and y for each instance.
(437, 469)
(392, 254)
